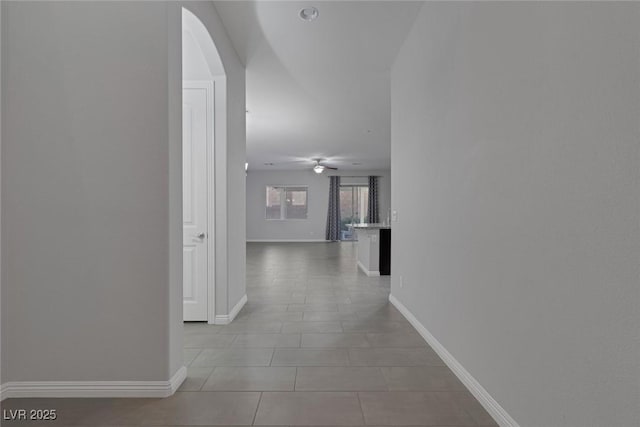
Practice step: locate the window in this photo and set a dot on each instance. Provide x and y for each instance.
(286, 202)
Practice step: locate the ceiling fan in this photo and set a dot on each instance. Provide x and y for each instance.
(318, 168)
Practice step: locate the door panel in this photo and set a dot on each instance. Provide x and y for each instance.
(194, 202)
(189, 272)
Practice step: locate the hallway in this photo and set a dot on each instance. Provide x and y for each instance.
(317, 344)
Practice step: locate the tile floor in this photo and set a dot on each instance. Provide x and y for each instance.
(318, 344)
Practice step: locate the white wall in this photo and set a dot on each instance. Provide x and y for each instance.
(174, 328)
(515, 161)
(91, 189)
(313, 228)
(200, 57)
(85, 192)
(1, 84)
(194, 66)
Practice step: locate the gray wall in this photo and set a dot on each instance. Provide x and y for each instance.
(91, 189)
(313, 228)
(519, 247)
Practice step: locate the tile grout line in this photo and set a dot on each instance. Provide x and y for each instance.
(255, 414)
(207, 379)
(273, 352)
(384, 378)
(235, 337)
(295, 380)
(364, 421)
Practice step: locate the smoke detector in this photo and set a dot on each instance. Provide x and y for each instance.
(309, 13)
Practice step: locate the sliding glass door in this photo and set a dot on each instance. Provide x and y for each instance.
(354, 202)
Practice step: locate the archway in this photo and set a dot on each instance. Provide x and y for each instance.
(203, 94)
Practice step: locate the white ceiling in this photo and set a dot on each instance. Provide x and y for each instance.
(320, 88)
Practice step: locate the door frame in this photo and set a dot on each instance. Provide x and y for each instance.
(362, 218)
(209, 87)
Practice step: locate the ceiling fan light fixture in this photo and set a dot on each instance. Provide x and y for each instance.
(309, 13)
(318, 168)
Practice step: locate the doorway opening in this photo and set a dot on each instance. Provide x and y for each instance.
(202, 72)
(354, 202)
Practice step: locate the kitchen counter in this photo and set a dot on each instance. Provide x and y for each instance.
(374, 248)
(371, 226)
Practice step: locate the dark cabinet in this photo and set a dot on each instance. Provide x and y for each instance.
(385, 251)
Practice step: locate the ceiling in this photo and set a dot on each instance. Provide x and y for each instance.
(318, 89)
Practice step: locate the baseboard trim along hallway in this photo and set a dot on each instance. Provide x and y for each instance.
(31, 389)
(225, 319)
(488, 402)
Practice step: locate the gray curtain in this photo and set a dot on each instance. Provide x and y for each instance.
(373, 215)
(333, 213)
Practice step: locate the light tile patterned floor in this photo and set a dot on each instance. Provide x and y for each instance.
(317, 344)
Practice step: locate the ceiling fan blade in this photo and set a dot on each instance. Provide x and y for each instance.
(329, 167)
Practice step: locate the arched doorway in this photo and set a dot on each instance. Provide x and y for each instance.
(203, 91)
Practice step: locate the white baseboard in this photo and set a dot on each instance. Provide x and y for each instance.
(225, 319)
(177, 379)
(3, 392)
(94, 388)
(489, 403)
(367, 272)
(287, 241)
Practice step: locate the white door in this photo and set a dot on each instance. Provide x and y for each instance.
(195, 134)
